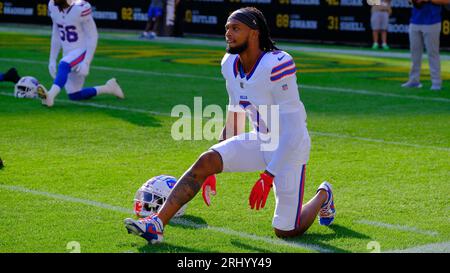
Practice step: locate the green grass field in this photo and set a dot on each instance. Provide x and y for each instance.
(71, 171)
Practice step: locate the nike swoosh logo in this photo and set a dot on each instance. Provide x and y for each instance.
(281, 58)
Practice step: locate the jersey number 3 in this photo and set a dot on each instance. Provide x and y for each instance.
(68, 33)
(255, 116)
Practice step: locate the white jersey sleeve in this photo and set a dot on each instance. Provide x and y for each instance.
(90, 31)
(293, 133)
(55, 46)
(284, 83)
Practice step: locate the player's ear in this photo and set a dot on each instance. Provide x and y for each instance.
(254, 34)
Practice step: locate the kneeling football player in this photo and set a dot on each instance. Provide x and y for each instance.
(257, 74)
(75, 31)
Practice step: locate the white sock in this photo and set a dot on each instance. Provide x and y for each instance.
(111, 88)
(103, 89)
(54, 91)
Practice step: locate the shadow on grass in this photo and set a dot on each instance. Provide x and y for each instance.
(309, 240)
(189, 222)
(120, 111)
(321, 239)
(17, 107)
(167, 248)
(139, 119)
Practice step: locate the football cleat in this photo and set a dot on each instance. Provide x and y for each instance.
(150, 228)
(148, 35)
(11, 75)
(327, 211)
(143, 35)
(152, 35)
(435, 87)
(44, 95)
(409, 84)
(115, 88)
(42, 92)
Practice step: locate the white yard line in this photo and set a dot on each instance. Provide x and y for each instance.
(103, 106)
(398, 227)
(437, 247)
(443, 247)
(324, 134)
(371, 93)
(123, 70)
(374, 140)
(177, 221)
(191, 76)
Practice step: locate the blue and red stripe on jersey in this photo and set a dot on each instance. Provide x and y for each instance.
(282, 66)
(284, 74)
(78, 60)
(283, 70)
(86, 12)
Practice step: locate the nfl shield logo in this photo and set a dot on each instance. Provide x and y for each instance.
(285, 87)
(170, 184)
(242, 85)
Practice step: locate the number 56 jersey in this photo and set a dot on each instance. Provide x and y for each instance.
(73, 25)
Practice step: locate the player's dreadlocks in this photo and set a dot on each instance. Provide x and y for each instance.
(61, 4)
(265, 41)
(254, 18)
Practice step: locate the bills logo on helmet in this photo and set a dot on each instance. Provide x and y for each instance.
(171, 184)
(152, 194)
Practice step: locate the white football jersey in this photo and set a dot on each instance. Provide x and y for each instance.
(272, 81)
(72, 24)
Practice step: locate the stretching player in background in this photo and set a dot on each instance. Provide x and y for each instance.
(257, 74)
(75, 31)
(10, 76)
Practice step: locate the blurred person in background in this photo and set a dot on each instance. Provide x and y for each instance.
(379, 21)
(424, 32)
(180, 12)
(155, 13)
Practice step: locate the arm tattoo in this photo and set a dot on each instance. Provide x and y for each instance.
(185, 189)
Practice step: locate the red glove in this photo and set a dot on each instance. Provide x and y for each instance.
(209, 187)
(260, 191)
